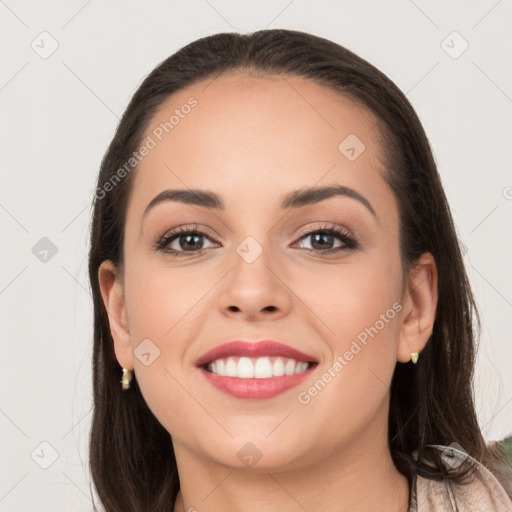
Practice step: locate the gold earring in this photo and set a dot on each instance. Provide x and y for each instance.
(414, 357)
(126, 379)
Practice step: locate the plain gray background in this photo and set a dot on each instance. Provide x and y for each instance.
(60, 110)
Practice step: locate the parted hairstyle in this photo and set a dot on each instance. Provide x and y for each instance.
(131, 455)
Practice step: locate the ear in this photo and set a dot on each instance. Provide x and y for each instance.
(419, 308)
(112, 292)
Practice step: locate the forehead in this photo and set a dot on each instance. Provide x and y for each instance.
(251, 137)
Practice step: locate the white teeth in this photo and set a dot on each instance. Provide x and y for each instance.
(220, 366)
(301, 367)
(258, 367)
(245, 368)
(263, 368)
(230, 368)
(278, 367)
(289, 367)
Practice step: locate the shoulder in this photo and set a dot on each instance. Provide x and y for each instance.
(483, 493)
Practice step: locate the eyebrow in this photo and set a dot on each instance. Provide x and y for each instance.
(295, 199)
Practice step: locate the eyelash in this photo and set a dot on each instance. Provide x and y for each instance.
(350, 244)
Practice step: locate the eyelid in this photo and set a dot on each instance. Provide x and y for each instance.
(320, 225)
(305, 231)
(186, 228)
(349, 242)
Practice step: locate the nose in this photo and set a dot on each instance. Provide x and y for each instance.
(256, 290)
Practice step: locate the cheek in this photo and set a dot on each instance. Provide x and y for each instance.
(161, 300)
(357, 308)
(354, 383)
(166, 312)
(162, 308)
(346, 300)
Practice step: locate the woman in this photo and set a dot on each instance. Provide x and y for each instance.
(277, 280)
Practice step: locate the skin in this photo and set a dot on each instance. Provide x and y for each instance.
(251, 140)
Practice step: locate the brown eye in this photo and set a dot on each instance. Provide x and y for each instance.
(181, 241)
(323, 240)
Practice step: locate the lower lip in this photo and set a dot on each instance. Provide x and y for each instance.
(255, 389)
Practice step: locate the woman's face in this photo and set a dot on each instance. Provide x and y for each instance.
(253, 271)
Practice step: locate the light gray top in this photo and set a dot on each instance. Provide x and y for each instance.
(483, 494)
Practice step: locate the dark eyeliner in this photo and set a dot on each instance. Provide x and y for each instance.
(350, 243)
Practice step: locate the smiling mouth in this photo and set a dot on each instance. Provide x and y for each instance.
(264, 367)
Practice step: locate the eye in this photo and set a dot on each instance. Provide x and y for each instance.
(323, 238)
(188, 241)
(185, 240)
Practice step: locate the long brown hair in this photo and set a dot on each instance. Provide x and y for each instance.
(131, 454)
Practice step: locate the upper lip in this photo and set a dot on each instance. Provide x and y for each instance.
(253, 349)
